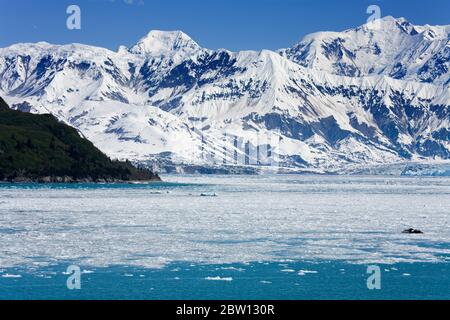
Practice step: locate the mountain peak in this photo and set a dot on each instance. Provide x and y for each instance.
(162, 43)
(390, 23)
(393, 19)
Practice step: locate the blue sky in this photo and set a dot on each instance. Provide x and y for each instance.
(231, 24)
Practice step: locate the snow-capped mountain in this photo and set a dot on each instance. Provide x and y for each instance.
(391, 47)
(376, 94)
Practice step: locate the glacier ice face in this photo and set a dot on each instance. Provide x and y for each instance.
(337, 99)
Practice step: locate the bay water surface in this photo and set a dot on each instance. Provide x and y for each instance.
(227, 237)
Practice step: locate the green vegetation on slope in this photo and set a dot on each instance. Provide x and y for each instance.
(39, 148)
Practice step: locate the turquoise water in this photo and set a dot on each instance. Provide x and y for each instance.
(227, 237)
(326, 280)
(93, 186)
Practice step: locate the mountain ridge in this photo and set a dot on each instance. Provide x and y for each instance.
(37, 148)
(181, 104)
(366, 41)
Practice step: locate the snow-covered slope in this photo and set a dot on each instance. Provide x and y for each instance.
(389, 46)
(330, 102)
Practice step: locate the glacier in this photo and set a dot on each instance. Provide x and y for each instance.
(335, 102)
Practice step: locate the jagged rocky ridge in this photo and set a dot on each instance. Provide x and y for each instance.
(377, 94)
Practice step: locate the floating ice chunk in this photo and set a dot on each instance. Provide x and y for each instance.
(159, 192)
(287, 270)
(305, 272)
(7, 275)
(209, 195)
(219, 278)
(87, 271)
(233, 269)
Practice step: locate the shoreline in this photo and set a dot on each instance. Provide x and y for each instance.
(70, 180)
